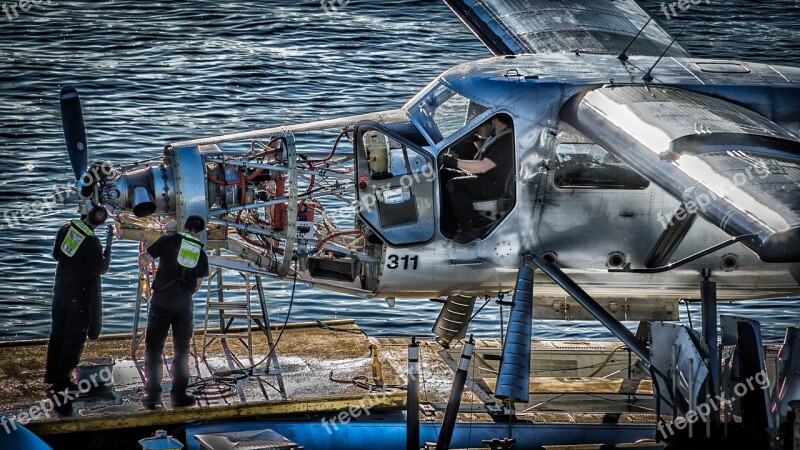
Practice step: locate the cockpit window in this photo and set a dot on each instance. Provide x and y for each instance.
(442, 112)
(589, 166)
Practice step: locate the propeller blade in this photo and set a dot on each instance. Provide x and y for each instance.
(74, 131)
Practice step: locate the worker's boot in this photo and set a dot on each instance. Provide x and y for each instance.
(62, 405)
(151, 402)
(179, 401)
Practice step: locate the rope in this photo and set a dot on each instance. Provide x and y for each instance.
(608, 358)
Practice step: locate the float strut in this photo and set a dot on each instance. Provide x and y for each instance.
(795, 405)
(514, 375)
(708, 297)
(454, 403)
(412, 399)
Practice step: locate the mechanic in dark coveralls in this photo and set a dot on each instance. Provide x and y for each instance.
(77, 301)
(182, 266)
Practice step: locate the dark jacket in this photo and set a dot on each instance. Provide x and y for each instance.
(78, 284)
(174, 285)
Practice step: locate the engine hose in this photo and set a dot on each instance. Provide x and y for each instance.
(327, 238)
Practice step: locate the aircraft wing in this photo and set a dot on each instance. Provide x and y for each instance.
(732, 166)
(512, 27)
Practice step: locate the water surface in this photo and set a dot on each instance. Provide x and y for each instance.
(150, 74)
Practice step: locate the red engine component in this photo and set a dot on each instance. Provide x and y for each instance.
(305, 213)
(280, 214)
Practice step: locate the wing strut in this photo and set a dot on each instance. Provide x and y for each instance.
(615, 326)
(688, 259)
(670, 239)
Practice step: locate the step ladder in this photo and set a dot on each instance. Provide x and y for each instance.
(228, 312)
(143, 294)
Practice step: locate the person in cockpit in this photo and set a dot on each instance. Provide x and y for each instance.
(482, 178)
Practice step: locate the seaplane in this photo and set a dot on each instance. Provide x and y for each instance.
(640, 176)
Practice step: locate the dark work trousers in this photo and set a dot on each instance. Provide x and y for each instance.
(159, 321)
(462, 191)
(65, 346)
(447, 217)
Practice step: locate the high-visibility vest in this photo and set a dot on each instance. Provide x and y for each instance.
(74, 238)
(189, 253)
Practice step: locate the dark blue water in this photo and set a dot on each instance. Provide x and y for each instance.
(150, 74)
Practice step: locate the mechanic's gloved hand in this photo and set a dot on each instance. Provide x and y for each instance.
(449, 162)
(109, 235)
(109, 239)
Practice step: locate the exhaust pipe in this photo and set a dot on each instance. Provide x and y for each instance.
(143, 202)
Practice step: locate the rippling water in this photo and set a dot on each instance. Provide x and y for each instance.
(150, 74)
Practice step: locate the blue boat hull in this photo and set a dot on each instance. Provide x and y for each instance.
(391, 435)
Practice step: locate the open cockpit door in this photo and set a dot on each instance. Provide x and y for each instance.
(395, 186)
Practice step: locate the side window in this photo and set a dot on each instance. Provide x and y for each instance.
(388, 158)
(589, 166)
(443, 112)
(453, 114)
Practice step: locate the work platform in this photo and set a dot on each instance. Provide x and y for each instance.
(308, 352)
(326, 369)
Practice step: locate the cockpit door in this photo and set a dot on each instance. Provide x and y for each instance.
(395, 186)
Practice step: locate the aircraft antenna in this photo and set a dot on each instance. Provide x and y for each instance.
(623, 56)
(647, 76)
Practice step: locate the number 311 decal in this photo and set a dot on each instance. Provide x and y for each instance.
(409, 262)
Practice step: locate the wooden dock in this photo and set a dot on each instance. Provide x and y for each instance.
(308, 353)
(326, 368)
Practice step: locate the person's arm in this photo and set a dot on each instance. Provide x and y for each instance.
(95, 310)
(501, 150)
(96, 263)
(145, 259)
(476, 167)
(57, 243)
(106, 259)
(150, 253)
(199, 283)
(201, 271)
(107, 250)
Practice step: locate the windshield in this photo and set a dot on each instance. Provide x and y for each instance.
(442, 112)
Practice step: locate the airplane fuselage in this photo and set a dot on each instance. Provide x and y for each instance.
(588, 230)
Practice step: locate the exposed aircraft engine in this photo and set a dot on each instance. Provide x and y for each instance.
(265, 202)
(142, 191)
